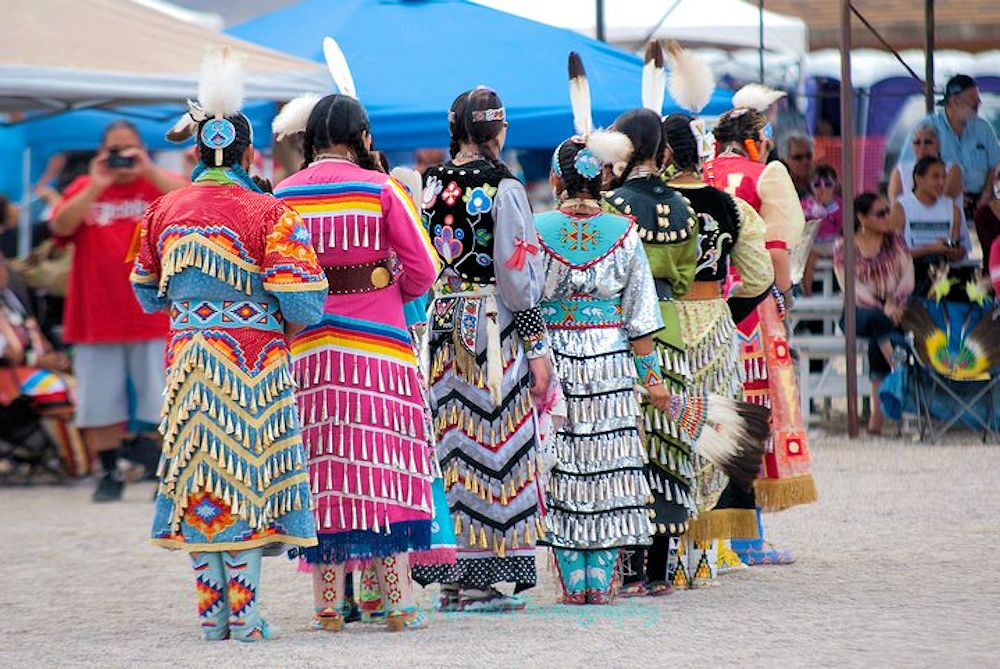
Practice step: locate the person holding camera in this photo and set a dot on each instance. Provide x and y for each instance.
(116, 345)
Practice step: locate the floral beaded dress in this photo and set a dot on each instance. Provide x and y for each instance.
(599, 295)
(359, 391)
(232, 267)
(484, 325)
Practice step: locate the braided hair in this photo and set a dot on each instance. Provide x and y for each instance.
(683, 144)
(465, 128)
(338, 119)
(739, 125)
(643, 128)
(567, 164)
(232, 154)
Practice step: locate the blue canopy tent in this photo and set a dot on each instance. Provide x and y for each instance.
(410, 58)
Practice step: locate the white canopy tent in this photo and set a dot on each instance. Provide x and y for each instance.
(729, 24)
(58, 56)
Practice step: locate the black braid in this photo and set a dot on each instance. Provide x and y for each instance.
(338, 119)
(575, 184)
(465, 130)
(232, 154)
(682, 142)
(362, 156)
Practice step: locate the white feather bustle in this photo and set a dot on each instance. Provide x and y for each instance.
(691, 79)
(294, 116)
(610, 146)
(220, 87)
(756, 96)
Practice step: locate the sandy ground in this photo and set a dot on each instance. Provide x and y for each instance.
(897, 567)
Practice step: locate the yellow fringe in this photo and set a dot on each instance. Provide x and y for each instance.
(723, 524)
(781, 494)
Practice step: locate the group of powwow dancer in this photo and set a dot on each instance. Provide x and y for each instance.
(415, 378)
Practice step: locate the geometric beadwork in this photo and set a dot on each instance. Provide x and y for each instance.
(241, 594)
(210, 596)
(208, 514)
(224, 313)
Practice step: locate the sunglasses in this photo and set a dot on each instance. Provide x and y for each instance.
(923, 142)
(881, 213)
(824, 183)
(801, 156)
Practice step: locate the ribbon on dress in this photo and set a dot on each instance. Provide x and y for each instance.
(520, 254)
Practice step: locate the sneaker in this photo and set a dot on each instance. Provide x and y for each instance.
(109, 488)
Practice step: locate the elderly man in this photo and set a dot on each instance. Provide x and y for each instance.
(796, 152)
(966, 140)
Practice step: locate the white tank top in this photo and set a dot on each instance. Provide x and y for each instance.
(926, 224)
(906, 180)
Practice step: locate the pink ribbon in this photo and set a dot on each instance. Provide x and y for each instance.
(521, 251)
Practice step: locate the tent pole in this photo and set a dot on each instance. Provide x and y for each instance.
(760, 40)
(24, 222)
(847, 181)
(929, 55)
(600, 21)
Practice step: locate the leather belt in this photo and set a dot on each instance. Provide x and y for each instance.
(703, 290)
(362, 278)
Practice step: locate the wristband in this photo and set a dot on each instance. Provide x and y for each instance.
(647, 367)
(529, 324)
(779, 298)
(535, 347)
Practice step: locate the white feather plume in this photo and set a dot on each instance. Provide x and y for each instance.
(610, 146)
(410, 178)
(653, 78)
(294, 116)
(220, 87)
(579, 96)
(336, 62)
(756, 96)
(691, 80)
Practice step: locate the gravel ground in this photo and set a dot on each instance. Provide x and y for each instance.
(893, 570)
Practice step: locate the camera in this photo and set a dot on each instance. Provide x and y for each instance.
(117, 161)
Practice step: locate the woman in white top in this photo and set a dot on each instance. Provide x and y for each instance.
(929, 220)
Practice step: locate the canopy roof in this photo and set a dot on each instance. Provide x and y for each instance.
(721, 23)
(410, 58)
(61, 55)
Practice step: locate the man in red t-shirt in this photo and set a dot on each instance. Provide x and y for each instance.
(115, 343)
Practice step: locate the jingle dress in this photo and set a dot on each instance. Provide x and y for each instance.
(484, 325)
(785, 479)
(233, 266)
(598, 296)
(358, 385)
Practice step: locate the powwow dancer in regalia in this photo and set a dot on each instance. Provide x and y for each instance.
(359, 392)
(599, 307)
(730, 233)
(236, 271)
(743, 140)
(488, 356)
(684, 470)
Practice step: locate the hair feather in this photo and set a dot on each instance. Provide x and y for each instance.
(691, 80)
(294, 116)
(757, 97)
(220, 87)
(336, 62)
(579, 96)
(610, 146)
(653, 78)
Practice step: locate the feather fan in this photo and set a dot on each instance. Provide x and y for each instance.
(336, 62)
(579, 96)
(691, 80)
(756, 96)
(220, 87)
(653, 78)
(294, 116)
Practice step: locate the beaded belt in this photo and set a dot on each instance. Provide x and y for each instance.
(362, 278)
(200, 314)
(581, 313)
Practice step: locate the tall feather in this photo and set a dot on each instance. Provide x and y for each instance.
(691, 80)
(336, 62)
(579, 96)
(653, 78)
(294, 116)
(220, 87)
(756, 96)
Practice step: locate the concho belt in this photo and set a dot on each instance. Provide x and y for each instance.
(363, 278)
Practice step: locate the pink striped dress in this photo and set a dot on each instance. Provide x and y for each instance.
(363, 414)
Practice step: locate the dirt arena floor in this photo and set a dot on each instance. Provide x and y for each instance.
(896, 568)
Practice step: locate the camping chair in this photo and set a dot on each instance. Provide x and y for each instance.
(954, 369)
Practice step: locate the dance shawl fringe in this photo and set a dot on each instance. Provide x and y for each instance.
(781, 494)
(194, 250)
(723, 524)
(212, 443)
